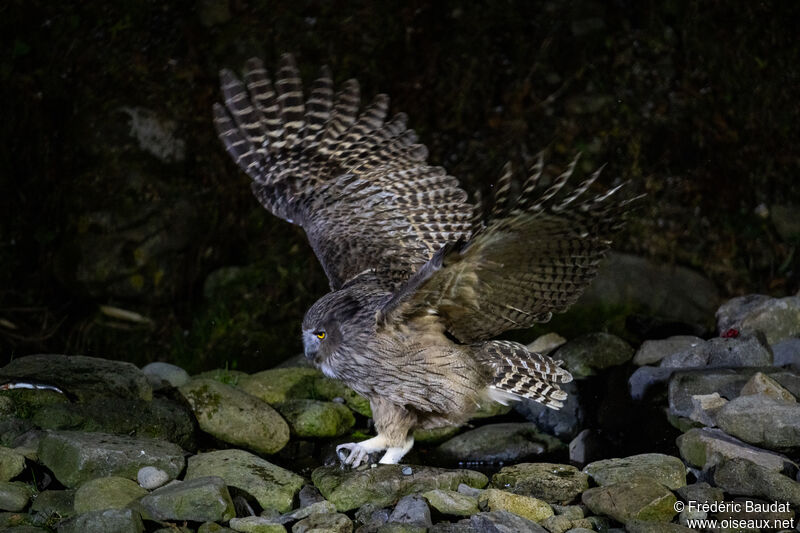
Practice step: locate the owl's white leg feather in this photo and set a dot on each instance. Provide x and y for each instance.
(358, 452)
(394, 454)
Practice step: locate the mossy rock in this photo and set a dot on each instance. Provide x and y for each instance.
(312, 418)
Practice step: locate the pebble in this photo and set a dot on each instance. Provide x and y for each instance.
(150, 477)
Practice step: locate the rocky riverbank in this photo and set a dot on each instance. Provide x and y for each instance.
(89, 444)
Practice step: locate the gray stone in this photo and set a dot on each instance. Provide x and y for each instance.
(701, 492)
(525, 506)
(546, 343)
(585, 447)
(54, 505)
(11, 464)
(653, 351)
(309, 495)
(412, 510)
(236, 417)
(494, 443)
(84, 377)
(329, 389)
(204, 499)
(320, 507)
(763, 384)
(75, 457)
(762, 421)
(281, 384)
(324, 523)
(450, 502)
(557, 524)
(213, 527)
(777, 318)
(645, 526)
(14, 495)
(590, 353)
(706, 407)
(732, 312)
(553, 483)
(158, 371)
(786, 353)
(105, 521)
(702, 447)
(106, 493)
(637, 499)
(150, 477)
(255, 524)
(573, 512)
(744, 478)
(503, 522)
(722, 352)
(664, 469)
(272, 486)
(386, 484)
(563, 423)
(313, 418)
(371, 517)
(646, 377)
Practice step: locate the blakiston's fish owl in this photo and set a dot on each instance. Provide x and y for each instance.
(420, 279)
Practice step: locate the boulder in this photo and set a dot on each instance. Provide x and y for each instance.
(277, 385)
(776, 318)
(198, 500)
(495, 443)
(636, 499)
(741, 477)
(11, 464)
(107, 520)
(553, 483)
(588, 354)
(722, 352)
(452, 503)
(533, 509)
(14, 495)
(106, 493)
(763, 384)
(653, 351)
(762, 421)
(702, 447)
(664, 469)
(313, 418)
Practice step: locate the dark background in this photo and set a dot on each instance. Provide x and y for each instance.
(116, 194)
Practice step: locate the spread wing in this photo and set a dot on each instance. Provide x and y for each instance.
(358, 184)
(533, 257)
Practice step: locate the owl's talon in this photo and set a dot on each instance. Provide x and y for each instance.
(352, 454)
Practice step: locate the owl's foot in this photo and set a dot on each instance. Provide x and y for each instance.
(356, 453)
(394, 454)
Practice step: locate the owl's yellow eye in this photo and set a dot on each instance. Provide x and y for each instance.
(320, 335)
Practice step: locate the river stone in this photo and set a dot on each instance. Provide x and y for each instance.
(763, 384)
(587, 354)
(11, 463)
(277, 385)
(386, 484)
(701, 447)
(272, 486)
(435, 435)
(706, 407)
(722, 352)
(553, 483)
(313, 418)
(236, 417)
(202, 499)
(495, 443)
(14, 495)
(762, 421)
(322, 506)
(741, 477)
(84, 377)
(653, 351)
(150, 477)
(223, 375)
(106, 493)
(213, 527)
(497, 521)
(105, 521)
(75, 457)
(665, 469)
(644, 526)
(324, 523)
(158, 371)
(777, 318)
(400, 528)
(54, 504)
(329, 389)
(252, 524)
(636, 499)
(646, 378)
(701, 492)
(451, 502)
(786, 353)
(412, 510)
(499, 500)
(564, 423)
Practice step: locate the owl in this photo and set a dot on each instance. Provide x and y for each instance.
(421, 279)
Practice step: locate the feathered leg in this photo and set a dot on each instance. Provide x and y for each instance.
(393, 423)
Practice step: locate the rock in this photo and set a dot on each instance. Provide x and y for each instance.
(157, 372)
(236, 417)
(324, 523)
(435, 435)
(105, 521)
(705, 408)
(644, 526)
(255, 524)
(653, 351)
(499, 500)
(585, 447)
(213, 527)
(495, 443)
(411, 510)
(491, 522)
(741, 477)
(762, 421)
(546, 343)
(564, 423)
(223, 375)
(786, 221)
(84, 377)
(450, 502)
(11, 464)
(587, 354)
(573, 512)
(786, 353)
(320, 507)
(54, 505)
(491, 409)
(329, 389)
(371, 517)
(763, 384)
(386, 484)
(777, 318)
(699, 446)
(150, 477)
(14, 495)
(75, 457)
(664, 469)
(645, 378)
(553, 483)
(557, 524)
(701, 492)
(637, 499)
(272, 486)
(309, 495)
(202, 499)
(722, 352)
(313, 418)
(106, 493)
(280, 384)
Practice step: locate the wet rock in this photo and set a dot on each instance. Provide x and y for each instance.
(495, 521)
(573, 512)
(644, 526)
(281, 384)
(646, 378)
(722, 352)
(52, 505)
(223, 375)
(744, 478)
(653, 351)
(213, 527)
(587, 354)
(706, 407)
(324, 523)
(313, 418)
(762, 421)
(411, 510)
(203, 499)
(236, 417)
(159, 372)
(525, 506)
(701, 447)
(491, 409)
(546, 343)
(309, 495)
(557, 524)
(329, 389)
(150, 477)
(386, 484)
(637, 499)
(320, 507)
(105, 521)
(371, 517)
(75, 457)
(106, 493)
(701, 492)
(564, 423)
(763, 384)
(450, 502)
(553, 483)
(494, 443)
(11, 464)
(585, 447)
(786, 353)
(777, 318)
(664, 469)
(272, 486)
(255, 524)
(435, 435)
(14, 495)
(84, 377)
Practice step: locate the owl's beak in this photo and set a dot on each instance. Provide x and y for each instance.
(310, 354)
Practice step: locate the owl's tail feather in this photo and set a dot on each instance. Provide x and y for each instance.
(519, 373)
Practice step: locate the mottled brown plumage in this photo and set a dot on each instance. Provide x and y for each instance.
(420, 278)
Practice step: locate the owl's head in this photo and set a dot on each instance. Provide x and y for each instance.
(328, 324)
